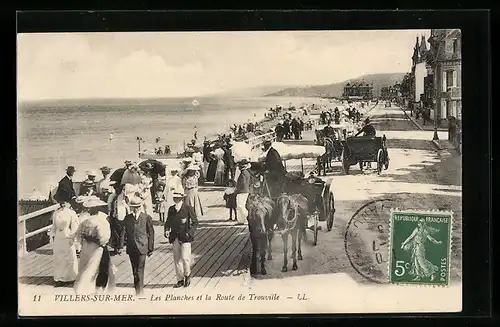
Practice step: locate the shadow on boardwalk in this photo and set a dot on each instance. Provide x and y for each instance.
(216, 253)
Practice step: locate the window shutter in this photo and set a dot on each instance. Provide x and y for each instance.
(454, 109)
(444, 81)
(454, 78)
(443, 109)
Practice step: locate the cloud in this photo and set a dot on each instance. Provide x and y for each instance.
(76, 65)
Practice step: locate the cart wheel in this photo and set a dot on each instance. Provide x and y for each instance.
(315, 230)
(380, 158)
(345, 165)
(331, 213)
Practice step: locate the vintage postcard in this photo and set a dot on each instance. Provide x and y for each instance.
(256, 172)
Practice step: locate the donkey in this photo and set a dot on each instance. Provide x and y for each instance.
(291, 213)
(261, 222)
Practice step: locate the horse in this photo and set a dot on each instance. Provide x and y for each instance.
(291, 212)
(324, 161)
(261, 222)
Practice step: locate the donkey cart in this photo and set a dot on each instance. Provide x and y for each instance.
(286, 205)
(317, 192)
(364, 149)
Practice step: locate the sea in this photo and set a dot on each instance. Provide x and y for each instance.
(55, 134)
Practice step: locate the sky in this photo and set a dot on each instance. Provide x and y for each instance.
(184, 64)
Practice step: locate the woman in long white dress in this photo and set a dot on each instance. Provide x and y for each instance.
(219, 172)
(145, 191)
(190, 178)
(95, 271)
(173, 183)
(62, 235)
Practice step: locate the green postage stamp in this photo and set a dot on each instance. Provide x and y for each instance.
(420, 247)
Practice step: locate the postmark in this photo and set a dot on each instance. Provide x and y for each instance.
(366, 240)
(420, 247)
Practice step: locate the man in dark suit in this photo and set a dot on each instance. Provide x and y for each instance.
(65, 191)
(274, 169)
(180, 228)
(140, 236)
(368, 129)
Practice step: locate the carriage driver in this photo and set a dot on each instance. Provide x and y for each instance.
(368, 129)
(328, 130)
(275, 171)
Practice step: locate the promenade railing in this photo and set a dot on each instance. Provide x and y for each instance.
(257, 141)
(34, 224)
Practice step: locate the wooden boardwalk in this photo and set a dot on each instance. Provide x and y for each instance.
(221, 248)
(216, 252)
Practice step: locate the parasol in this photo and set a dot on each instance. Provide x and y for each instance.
(117, 175)
(158, 167)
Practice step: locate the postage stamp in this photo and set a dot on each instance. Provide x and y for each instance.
(420, 247)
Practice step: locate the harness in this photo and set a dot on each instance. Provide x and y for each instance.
(290, 223)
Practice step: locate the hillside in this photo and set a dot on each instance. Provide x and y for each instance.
(336, 89)
(256, 91)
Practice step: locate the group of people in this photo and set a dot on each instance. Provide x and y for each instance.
(288, 128)
(218, 161)
(86, 226)
(352, 114)
(242, 129)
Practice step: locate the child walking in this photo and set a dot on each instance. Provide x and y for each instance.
(160, 202)
(230, 198)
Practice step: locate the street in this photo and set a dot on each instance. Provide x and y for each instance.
(419, 177)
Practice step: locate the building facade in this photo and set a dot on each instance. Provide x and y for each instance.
(391, 92)
(358, 90)
(419, 71)
(445, 64)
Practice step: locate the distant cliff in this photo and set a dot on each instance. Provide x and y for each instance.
(336, 89)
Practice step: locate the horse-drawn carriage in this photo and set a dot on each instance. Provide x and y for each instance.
(364, 149)
(317, 192)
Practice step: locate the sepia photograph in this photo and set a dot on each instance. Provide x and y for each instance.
(243, 172)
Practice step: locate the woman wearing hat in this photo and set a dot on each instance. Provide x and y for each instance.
(145, 190)
(190, 178)
(89, 186)
(104, 189)
(219, 171)
(95, 271)
(62, 234)
(131, 174)
(173, 183)
(242, 191)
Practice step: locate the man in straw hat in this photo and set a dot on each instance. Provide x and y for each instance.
(140, 240)
(65, 191)
(180, 229)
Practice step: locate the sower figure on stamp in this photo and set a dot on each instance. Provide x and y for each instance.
(180, 228)
(415, 243)
(140, 240)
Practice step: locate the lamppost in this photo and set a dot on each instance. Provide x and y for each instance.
(435, 137)
(139, 140)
